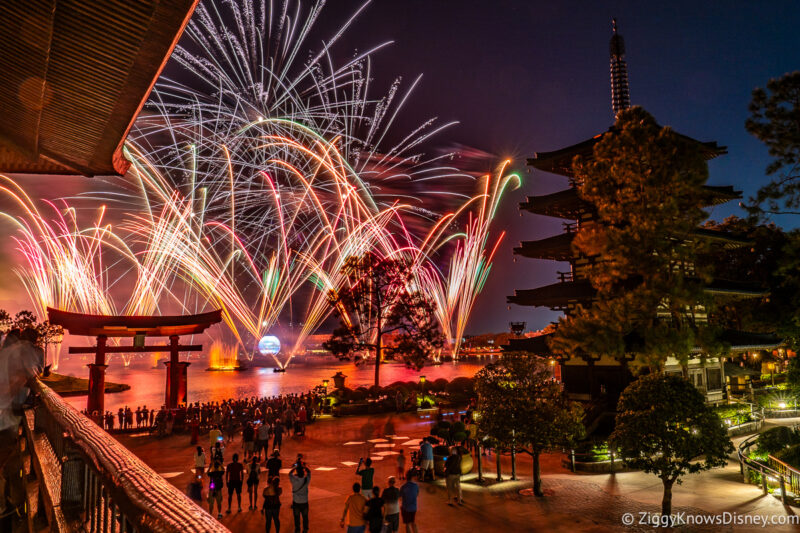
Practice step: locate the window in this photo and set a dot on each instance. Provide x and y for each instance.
(714, 378)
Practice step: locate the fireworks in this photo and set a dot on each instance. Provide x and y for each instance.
(254, 180)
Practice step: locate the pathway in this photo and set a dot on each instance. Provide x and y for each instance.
(572, 502)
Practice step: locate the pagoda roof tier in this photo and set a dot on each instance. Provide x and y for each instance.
(726, 239)
(131, 326)
(556, 296)
(737, 341)
(722, 287)
(559, 247)
(567, 204)
(556, 248)
(560, 161)
(744, 341)
(562, 204)
(559, 296)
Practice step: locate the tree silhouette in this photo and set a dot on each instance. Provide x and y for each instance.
(378, 301)
(775, 120)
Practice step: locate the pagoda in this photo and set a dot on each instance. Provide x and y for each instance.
(594, 377)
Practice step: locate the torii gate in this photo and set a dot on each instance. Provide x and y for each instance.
(138, 327)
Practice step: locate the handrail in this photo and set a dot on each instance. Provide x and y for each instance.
(746, 462)
(115, 490)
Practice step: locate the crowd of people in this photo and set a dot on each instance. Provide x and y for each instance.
(369, 507)
(294, 411)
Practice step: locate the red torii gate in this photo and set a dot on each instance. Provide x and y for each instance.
(138, 327)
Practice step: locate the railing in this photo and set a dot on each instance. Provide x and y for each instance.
(781, 474)
(788, 472)
(81, 479)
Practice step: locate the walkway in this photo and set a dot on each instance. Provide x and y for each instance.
(572, 502)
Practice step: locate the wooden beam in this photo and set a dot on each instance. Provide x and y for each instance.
(133, 349)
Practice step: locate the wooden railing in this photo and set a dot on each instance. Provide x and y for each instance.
(790, 474)
(79, 478)
(783, 475)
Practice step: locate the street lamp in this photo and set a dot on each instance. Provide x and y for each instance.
(553, 367)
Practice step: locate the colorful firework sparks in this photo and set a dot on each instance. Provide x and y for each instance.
(456, 289)
(256, 181)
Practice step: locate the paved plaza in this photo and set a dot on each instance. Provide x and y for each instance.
(572, 502)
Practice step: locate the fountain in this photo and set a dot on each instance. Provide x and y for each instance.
(223, 357)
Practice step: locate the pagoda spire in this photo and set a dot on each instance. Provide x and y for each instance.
(620, 91)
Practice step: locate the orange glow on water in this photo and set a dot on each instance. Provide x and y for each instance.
(223, 356)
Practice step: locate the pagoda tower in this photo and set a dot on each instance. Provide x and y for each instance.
(594, 377)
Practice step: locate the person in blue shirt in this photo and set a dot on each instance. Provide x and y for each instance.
(426, 459)
(408, 508)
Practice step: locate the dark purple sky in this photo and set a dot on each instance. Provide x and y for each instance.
(526, 76)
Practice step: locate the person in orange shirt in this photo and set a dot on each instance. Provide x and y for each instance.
(354, 507)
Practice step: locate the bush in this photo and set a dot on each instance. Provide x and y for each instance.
(358, 395)
(461, 386)
(776, 439)
(439, 385)
(790, 456)
(735, 413)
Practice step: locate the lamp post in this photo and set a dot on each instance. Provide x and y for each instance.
(553, 368)
(325, 383)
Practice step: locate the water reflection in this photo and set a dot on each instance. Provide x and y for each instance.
(147, 383)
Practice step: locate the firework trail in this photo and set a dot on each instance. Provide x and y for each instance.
(454, 291)
(257, 177)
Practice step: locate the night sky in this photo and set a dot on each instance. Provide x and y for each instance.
(525, 76)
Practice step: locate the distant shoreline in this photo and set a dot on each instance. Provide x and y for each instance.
(74, 386)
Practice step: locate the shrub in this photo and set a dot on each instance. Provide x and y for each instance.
(461, 386)
(358, 395)
(776, 439)
(439, 385)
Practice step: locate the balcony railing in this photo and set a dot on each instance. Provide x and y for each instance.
(79, 478)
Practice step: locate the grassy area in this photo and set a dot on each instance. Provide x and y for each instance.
(73, 386)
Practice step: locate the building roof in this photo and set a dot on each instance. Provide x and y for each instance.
(738, 341)
(559, 296)
(745, 341)
(567, 204)
(130, 326)
(74, 77)
(560, 161)
(555, 296)
(559, 247)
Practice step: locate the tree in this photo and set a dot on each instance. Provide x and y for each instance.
(775, 120)
(771, 261)
(645, 183)
(49, 334)
(664, 427)
(378, 301)
(25, 320)
(522, 407)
